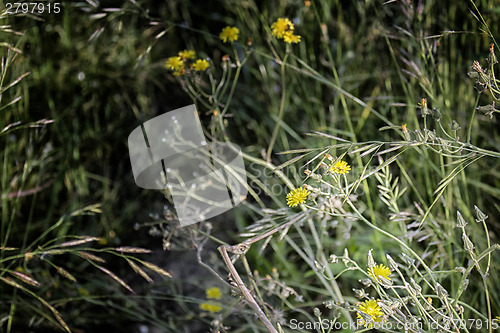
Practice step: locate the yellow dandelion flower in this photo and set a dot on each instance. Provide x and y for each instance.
(281, 27)
(341, 167)
(379, 270)
(297, 196)
(372, 309)
(174, 63)
(200, 65)
(229, 34)
(290, 38)
(210, 307)
(187, 54)
(213, 293)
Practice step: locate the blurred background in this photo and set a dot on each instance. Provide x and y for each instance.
(96, 71)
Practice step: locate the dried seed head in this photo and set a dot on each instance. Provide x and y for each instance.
(477, 66)
(460, 220)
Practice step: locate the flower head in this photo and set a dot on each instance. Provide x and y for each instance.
(290, 38)
(210, 307)
(213, 293)
(187, 54)
(477, 66)
(297, 196)
(379, 270)
(372, 309)
(424, 107)
(281, 27)
(229, 34)
(174, 63)
(341, 167)
(200, 65)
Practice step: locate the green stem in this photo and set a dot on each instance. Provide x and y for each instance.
(281, 110)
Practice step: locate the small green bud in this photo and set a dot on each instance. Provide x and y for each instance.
(455, 126)
(492, 58)
(371, 262)
(468, 245)
(441, 292)
(460, 220)
(481, 217)
(436, 114)
(392, 264)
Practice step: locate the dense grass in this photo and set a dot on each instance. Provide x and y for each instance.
(346, 90)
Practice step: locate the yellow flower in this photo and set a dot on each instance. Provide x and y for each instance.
(210, 307)
(213, 293)
(229, 34)
(372, 309)
(281, 27)
(187, 54)
(200, 65)
(379, 270)
(340, 167)
(297, 196)
(174, 63)
(290, 38)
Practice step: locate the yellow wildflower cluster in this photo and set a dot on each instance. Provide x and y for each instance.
(372, 309)
(340, 167)
(297, 196)
(212, 293)
(178, 63)
(283, 29)
(378, 271)
(229, 34)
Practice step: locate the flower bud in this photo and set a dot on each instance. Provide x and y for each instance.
(371, 262)
(460, 221)
(468, 245)
(481, 217)
(492, 58)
